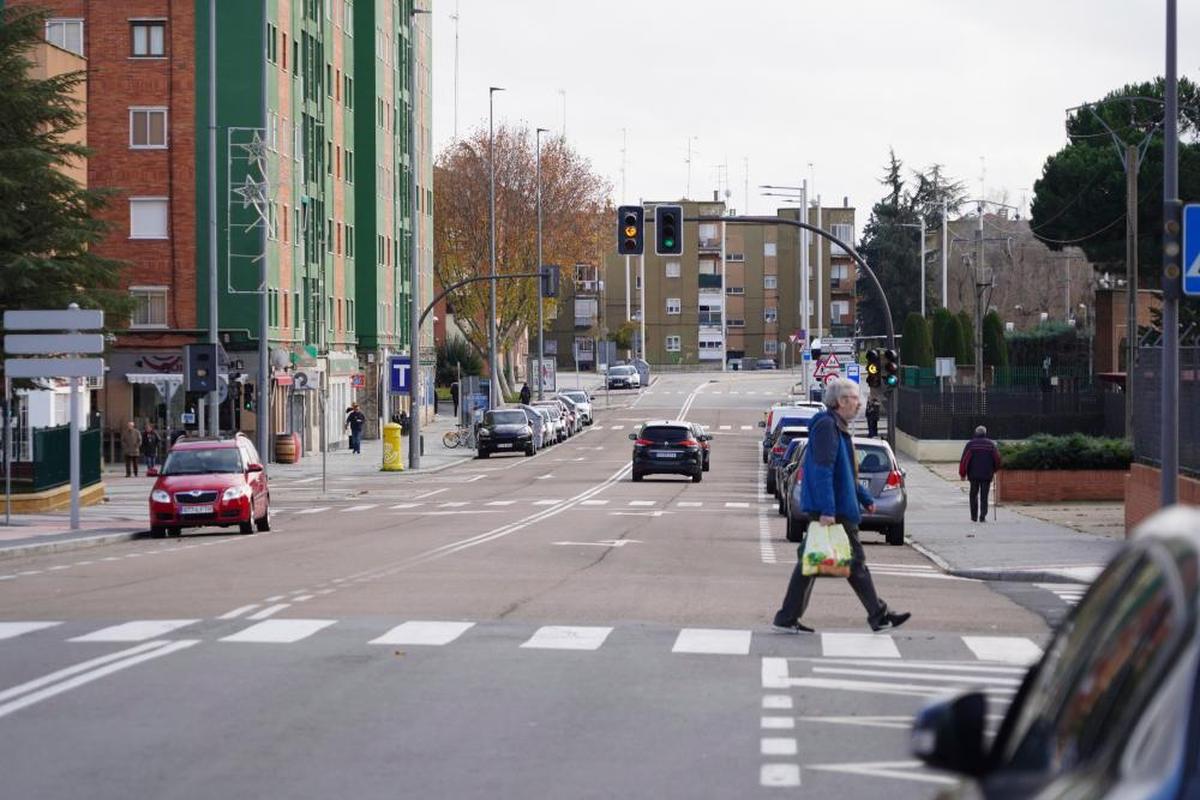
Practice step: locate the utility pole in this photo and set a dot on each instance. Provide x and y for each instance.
(1171, 273)
(454, 17)
(1131, 160)
(493, 359)
(945, 226)
(213, 319)
(541, 345)
(414, 285)
(980, 285)
(924, 291)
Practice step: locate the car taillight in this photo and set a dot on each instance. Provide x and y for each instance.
(894, 481)
(643, 442)
(689, 443)
(778, 449)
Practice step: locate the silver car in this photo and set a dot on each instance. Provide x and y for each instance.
(583, 402)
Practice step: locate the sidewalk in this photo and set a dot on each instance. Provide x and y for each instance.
(1010, 546)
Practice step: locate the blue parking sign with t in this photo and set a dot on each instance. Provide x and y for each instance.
(399, 370)
(1191, 249)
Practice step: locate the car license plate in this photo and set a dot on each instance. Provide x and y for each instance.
(195, 509)
(503, 445)
(663, 453)
(865, 483)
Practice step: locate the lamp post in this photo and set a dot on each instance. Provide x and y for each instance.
(541, 345)
(493, 360)
(921, 227)
(414, 285)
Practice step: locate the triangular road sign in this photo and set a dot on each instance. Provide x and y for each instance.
(832, 362)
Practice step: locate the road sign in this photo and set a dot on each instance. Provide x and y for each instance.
(842, 345)
(806, 356)
(49, 344)
(830, 378)
(1191, 249)
(358, 381)
(72, 319)
(852, 372)
(54, 367)
(399, 370)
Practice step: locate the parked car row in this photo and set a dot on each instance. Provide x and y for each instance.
(527, 428)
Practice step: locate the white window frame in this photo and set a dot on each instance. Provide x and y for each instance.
(672, 269)
(770, 249)
(770, 314)
(839, 272)
(149, 23)
(64, 22)
(148, 293)
(843, 231)
(770, 347)
(674, 344)
(136, 202)
(148, 110)
(674, 306)
(770, 281)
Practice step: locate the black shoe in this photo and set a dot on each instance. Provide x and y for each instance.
(983, 519)
(795, 627)
(889, 620)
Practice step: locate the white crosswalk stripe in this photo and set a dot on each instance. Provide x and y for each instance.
(858, 645)
(594, 503)
(362, 508)
(1069, 593)
(136, 631)
(501, 502)
(279, 631)
(566, 637)
(424, 633)
(1009, 649)
(9, 630)
(712, 641)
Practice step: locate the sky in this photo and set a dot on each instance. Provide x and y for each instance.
(780, 91)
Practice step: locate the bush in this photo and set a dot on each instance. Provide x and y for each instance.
(1076, 451)
(995, 349)
(916, 348)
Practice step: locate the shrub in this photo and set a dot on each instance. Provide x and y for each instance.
(916, 348)
(995, 349)
(1076, 451)
(945, 334)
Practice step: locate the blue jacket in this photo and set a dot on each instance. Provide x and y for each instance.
(828, 486)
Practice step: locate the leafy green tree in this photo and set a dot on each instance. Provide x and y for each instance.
(623, 336)
(995, 349)
(966, 338)
(916, 348)
(1080, 198)
(49, 224)
(946, 336)
(453, 355)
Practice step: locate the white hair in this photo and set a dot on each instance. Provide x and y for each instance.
(838, 388)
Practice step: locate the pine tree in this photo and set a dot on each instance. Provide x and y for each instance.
(916, 348)
(995, 349)
(48, 222)
(966, 332)
(946, 337)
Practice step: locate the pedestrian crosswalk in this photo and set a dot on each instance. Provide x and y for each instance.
(866, 652)
(1069, 593)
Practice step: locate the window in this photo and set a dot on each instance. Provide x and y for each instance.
(673, 344)
(637, 281)
(150, 307)
(147, 218)
(148, 38)
(839, 272)
(770, 314)
(710, 314)
(348, 18)
(147, 128)
(737, 323)
(708, 233)
(674, 305)
(770, 281)
(735, 290)
(843, 231)
(839, 311)
(672, 269)
(770, 347)
(66, 33)
(769, 249)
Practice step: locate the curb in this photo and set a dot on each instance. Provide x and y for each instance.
(1015, 575)
(65, 545)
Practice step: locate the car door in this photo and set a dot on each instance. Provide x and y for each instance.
(256, 480)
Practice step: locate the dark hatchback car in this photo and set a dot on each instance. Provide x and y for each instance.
(668, 447)
(1113, 707)
(504, 430)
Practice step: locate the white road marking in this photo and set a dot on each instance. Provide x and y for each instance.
(423, 495)
(566, 637)
(904, 770)
(643, 502)
(778, 723)
(8, 630)
(400, 506)
(453, 504)
(778, 746)
(545, 477)
(899, 723)
(712, 641)
(273, 598)
(858, 645)
(747, 427)
(890, 687)
(279, 631)
(1009, 649)
(316, 510)
(726, 427)
(237, 612)
(899, 672)
(270, 611)
(547, 502)
(424, 633)
(688, 504)
(136, 631)
(302, 598)
(777, 702)
(781, 775)
(737, 505)
(617, 428)
(360, 508)
(501, 502)
(594, 503)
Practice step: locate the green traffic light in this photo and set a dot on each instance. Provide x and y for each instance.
(669, 243)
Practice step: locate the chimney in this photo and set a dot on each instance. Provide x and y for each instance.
(845, 201)
(716, 196)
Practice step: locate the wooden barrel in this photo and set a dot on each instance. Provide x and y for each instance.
(287, 448)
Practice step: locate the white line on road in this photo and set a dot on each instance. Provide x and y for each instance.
(545, 477)
(430, 494)
(1009, 649)
(453, 504)
(778, 746)
(424, 633)
(10, 629)
(237, 612)
(302, 598)
(776, 702)
(567, 637)
(279, 631)
(361, 508)
(778, 723)
(643, 503)
(712, 641)
(858, 645)
(726, 427)
(594, 503)
(316, 510)
(547, 502)
(399, 506)
(747, 427)
(688, 504)
(737, 505)
(136, 631)
(782, 775)
(501, 502)
(269, 611)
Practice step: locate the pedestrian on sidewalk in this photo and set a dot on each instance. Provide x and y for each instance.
(151, 441)
(873, 406)
(131, 446)
(355, 420)
(526, 394)
(979, 462)
(831, 493)
(454, 397)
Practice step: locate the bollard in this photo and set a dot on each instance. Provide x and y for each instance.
(393, 448)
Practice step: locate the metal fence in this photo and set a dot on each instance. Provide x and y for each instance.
(50, 465)
(1147, 401)
(1007, 413)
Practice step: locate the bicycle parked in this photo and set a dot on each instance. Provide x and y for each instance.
(461, 436)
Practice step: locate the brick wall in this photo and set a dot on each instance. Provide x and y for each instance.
(1143, 488)
(1053, 486)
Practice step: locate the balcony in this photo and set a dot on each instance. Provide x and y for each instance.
(709, 281)
(585, 322)
(710, 245)
(709, 318)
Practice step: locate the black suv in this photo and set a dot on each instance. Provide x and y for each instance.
(504, 430)
(669, 447)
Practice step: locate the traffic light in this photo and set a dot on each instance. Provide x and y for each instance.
(668, 230)
(873, 368)
(631, 224)
(247, 396)
(549, 280)
(891, 369)
(201, 374)
(1172, 249)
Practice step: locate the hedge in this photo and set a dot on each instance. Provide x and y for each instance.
(1076, 451)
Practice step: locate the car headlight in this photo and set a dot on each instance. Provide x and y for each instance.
(527, 431)
(234, 492)
(160, 496)
(484, 433)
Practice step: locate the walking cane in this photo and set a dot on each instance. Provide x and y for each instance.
(996, 503)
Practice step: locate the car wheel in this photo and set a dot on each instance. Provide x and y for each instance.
(637, 476)
(770, 483)
(529, 450)
(175, 531)
(263, 523)
(895, 535)
(706, 465)
(698, 476)
(484, 453)
(780, 507)
(795, 530)
(158, 532)
(246, 527)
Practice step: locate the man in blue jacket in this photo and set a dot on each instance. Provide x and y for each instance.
(830, 492)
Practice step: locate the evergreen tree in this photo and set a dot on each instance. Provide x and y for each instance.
(947, 340)
(49, 224)
(916, 348)
(966, 333)
(995, 349)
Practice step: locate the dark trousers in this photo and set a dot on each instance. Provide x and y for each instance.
(873, 427)
(979, 498)
(356, 440)
(131, 466)
(800, 586)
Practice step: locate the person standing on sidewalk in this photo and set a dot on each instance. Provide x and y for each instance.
(454, 397)
(979, 462)
(873, 418)
(526, 393)
(355, 420)
(831, 493)
(151, 441)
(131, 446)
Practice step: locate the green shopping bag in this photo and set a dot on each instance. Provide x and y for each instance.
(826, 551)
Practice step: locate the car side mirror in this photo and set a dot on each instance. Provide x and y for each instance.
(949, 734)
(152, 472)
(254, 468)
(633, 437)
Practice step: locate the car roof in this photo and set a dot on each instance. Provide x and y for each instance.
(1175, 523)
(206, 444)
(866, 440)
(794, 429)
(678, 422)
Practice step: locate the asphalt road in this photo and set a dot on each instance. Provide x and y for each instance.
(515, 627)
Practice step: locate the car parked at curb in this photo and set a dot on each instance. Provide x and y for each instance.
(583, 402)
(558, 416)
(210, 482)
(504, 430)
(669, 447)
(537, 424)
(778, 454)
(781, 416)
(623, 376)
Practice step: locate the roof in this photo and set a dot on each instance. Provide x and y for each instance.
(205, 444)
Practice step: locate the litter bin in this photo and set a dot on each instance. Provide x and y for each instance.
(393, 447)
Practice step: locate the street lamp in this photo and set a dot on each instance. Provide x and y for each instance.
(414, 286)
(493, 360)
(541, 345)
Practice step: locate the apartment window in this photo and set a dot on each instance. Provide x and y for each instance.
(843, 231)
(147, 218)
(672, 268)
(149, 307)
(737, 323)
(147, 128)
(769, 249)
(283, 64)
(839, 310)
(708, 232)
(673, 344)
(349, 241)
(839, 272)
(148, 38)
(674, 305)
(770, 314)
(770, 281)
(66, 33)
(735, 290)
(770, 347)
(348, 91)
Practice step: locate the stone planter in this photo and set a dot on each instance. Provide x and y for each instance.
(1055, 486)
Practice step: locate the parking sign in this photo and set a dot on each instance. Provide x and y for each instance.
(1191, 249)
(399, 373)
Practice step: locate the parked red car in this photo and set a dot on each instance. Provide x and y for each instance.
(210, 482)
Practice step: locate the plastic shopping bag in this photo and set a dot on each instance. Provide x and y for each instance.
(826, 551)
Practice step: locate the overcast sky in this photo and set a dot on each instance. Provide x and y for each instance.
(781, 84)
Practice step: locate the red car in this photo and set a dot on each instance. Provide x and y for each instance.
(210, 482)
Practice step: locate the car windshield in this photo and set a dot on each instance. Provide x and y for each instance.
(504, 418)
(665, 433)
(873, 459)
(578, 397)
(202, 462)
(621, 371)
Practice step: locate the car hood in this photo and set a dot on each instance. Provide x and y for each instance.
(507, 430)
(216, 481)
